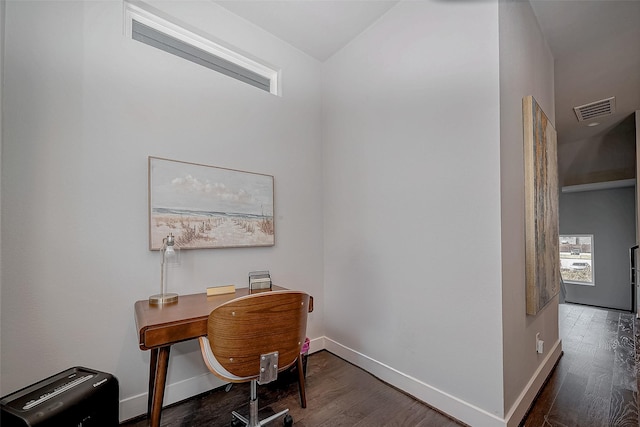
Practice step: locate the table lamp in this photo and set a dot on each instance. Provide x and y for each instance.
(170, 256)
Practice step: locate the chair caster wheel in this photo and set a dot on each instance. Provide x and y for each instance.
(288, 421)
(235, 422)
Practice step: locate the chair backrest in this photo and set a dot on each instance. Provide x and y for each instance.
(241, 330)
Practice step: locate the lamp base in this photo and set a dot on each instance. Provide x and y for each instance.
(160, 299)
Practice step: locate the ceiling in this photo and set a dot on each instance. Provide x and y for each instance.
(596, 47)
(318, 27)
(595, 44)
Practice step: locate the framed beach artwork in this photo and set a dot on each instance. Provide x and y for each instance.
(209, 207)
(542, 251)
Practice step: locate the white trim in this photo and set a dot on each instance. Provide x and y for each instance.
(448, 404)
(134, 406)
(535, 384)
(441, 400)
(592, 260)
(606, 185)
(452, 406)
(145, 17)
(317, 344)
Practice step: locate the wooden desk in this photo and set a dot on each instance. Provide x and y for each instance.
(160, 326)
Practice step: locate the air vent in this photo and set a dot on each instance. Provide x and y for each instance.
(592, 110)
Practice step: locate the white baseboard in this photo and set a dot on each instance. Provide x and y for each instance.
(526, 398)
(181, 390)
(442, 401)
(317, 344)
(134, 406)
(448, 404)
(463, 411)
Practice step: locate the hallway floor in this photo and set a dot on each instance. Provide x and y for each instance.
(596, 380)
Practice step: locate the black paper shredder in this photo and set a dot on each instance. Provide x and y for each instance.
(77, 397)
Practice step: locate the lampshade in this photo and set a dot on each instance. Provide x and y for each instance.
(170, 258)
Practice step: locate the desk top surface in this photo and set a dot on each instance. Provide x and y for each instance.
(187, 307)
(159, 325)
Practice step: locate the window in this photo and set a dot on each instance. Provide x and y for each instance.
(157, 32)
(576, 259)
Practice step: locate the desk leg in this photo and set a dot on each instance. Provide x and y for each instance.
(153, 367)
(160, 378)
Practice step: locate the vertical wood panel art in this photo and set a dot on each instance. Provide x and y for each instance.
(541, 207)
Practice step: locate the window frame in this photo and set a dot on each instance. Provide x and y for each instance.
(135, 13)
(592, 259)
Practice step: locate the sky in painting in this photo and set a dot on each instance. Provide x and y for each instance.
(178, 185)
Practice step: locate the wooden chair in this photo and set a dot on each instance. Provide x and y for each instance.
(254, 337)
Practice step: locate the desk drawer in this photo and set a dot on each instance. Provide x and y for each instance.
(170, 334)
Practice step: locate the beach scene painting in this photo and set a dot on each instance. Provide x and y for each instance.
(208, 207)
(542, 244)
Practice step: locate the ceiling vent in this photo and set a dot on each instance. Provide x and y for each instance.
(604, 107)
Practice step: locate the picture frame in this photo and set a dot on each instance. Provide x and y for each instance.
(542, 251)
(209, 207)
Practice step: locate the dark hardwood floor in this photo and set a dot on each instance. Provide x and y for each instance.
(596, 380)
(338, 394)
(594, 384)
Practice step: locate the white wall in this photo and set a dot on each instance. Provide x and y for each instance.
(419, 286)
(84, 107)
(526, 68)
(2, 9)
(412, 205)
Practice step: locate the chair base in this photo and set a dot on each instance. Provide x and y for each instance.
(288, 421)
(253, 420)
